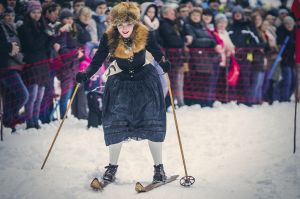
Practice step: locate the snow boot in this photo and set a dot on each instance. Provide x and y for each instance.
(159, 174)
(110, 173)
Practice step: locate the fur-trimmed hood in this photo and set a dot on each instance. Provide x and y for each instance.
(118, 48)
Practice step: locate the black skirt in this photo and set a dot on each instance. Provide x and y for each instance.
(134, 107)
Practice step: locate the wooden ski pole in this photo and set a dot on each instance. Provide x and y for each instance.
(186, 180)
(62, 122)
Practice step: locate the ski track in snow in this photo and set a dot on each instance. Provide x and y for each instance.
(233, 151)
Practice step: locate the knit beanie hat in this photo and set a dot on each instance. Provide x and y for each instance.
(239, 9)
(220, 17)
(33, 5)
(65, 13)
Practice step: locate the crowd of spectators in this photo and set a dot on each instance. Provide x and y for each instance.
(45, 43)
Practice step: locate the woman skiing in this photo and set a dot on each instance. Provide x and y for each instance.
(133, 102)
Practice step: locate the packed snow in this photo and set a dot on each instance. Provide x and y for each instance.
(233, 151)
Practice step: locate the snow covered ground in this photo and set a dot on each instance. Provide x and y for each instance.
(234, 152)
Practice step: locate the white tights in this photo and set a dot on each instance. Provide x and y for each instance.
(155, 148)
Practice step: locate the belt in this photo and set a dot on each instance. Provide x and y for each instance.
(113, 69)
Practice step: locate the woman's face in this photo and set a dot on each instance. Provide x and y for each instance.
(237, 16)
(68, 20)
(207, 19)
(264, 25)
(289, 25)
(10, 19)
(258, 20)
(36, 15)
(271, 19)
(196, 17)
(53, 15)
(85, 18)
(151, 13)
(125, 29)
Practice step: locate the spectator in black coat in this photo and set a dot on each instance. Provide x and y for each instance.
(201, 64)
(173, 42)
(245, 38)
(80, 104)
(287, 83)
(50, 15)
(13, 89)
(67, 40)
(35, 45)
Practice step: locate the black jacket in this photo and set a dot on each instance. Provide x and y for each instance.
(243, 35)
(83, 34)
(5, 49)
(124, 64)
(170, 35)
(288, 55)
(36, 47)
(201, 38)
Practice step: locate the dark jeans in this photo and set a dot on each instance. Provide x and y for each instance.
(283, 88)
(243, 87)
(63, 102)
(47, 101)
(66, 93)
(212, 85)
(15, 95)
(257, 86)
(32, 107)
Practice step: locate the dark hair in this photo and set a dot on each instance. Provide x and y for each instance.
(77, 1)
(51, 7)
(152, 6)
(182, 5)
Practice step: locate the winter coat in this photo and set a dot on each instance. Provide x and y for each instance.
(100, 25)
(201, 38)
(202, 53)
(245, 38)
(36, 47)
(288, 55)
(172, 41)
(5, 49)
(68, 52)
(83, 32)
(243, 35)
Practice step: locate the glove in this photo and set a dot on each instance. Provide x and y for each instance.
(166, 66)
(81, 77)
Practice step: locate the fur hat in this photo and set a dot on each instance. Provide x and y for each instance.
(125, 12)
